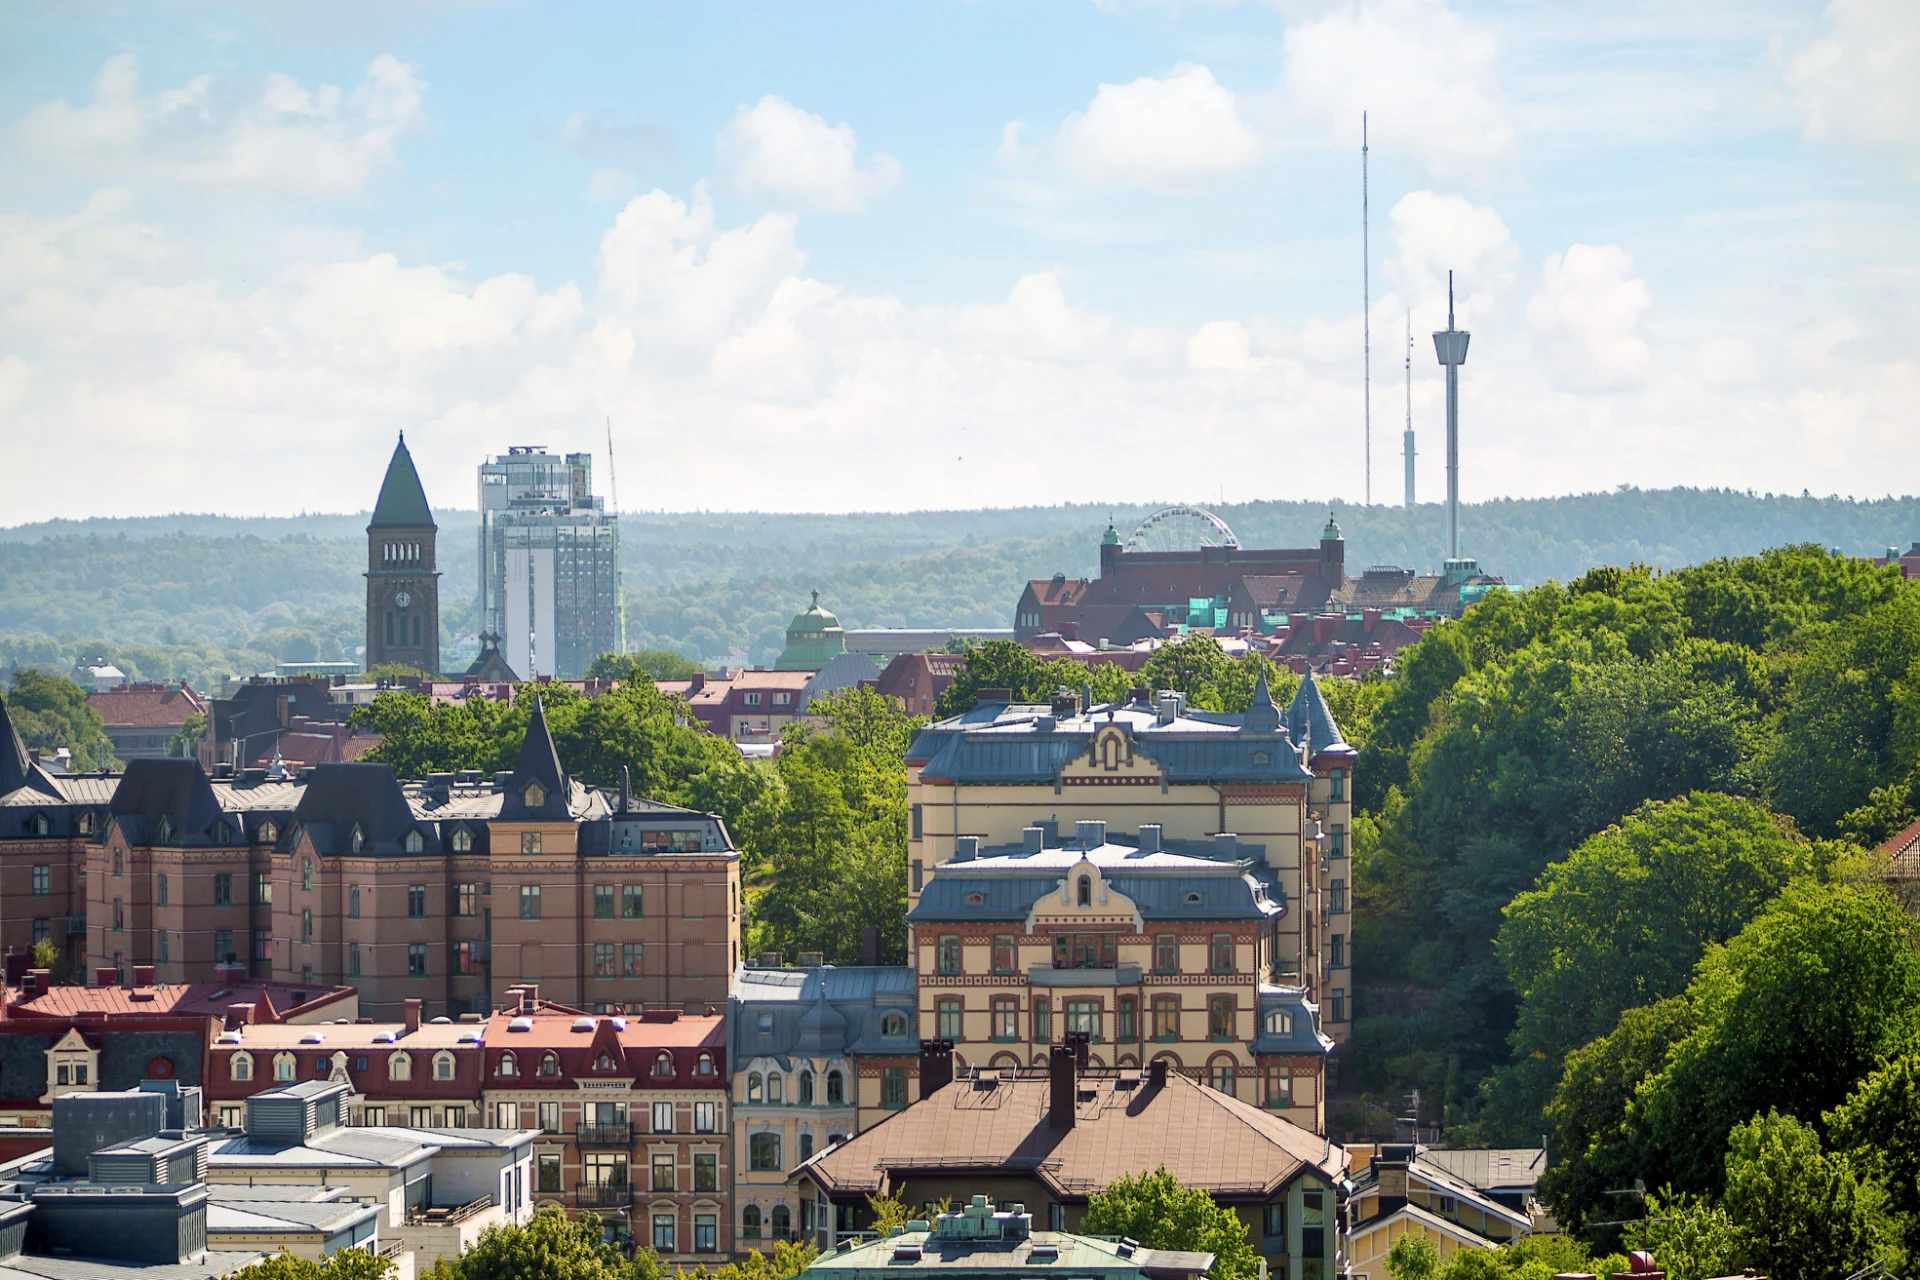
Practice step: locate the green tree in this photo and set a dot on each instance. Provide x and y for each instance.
(551, 1246)
(1690, 1237)
(1413, 1258)
(1878, 1127)
(1799, 1211)
(1156, 1210)
(643, 664)
(343, 1264)
(52, 712)
(1833, 961)
(186, 739)
(785, 1261)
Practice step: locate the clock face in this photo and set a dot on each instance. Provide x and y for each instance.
(403, 599)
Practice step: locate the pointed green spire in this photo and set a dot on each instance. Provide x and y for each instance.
(403, 503)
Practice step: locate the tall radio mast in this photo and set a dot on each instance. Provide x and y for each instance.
(1366, 302)
(1406, 441)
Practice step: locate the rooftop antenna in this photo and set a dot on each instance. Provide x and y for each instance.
(1366, 304)
(619, 591)
(1406, 440)
(1451, 347)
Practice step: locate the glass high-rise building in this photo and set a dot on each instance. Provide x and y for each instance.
(549, 563)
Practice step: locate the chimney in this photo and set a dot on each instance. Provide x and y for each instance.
(143, 975)
(1033, 839)
(870, 945)
(1369, 619)
(1078, 1041)
(966, 848)
(240, 1013)
(413, 1014)
(1061, 1087)
(105, 975)
(529, 997)
(230, 971)
(1001, 696)
(936, 1066)
(697, 683)
(626, 788)
(1324, 625)
(37, 982)
(1090, 833)
(1157, 1074)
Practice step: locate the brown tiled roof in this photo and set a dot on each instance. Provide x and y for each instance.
(1904, 849)
(145, 706)
(271, 1000)
(1204, 1138)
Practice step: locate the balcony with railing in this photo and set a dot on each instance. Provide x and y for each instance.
(603, 1135)
(603, 1195)
(446, 1215)
(1125, 974)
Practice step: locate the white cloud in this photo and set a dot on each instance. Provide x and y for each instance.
(1428, 78)
(1588, 308)
(206, 132)
(777, 150)
(1224, 345)
(1857, 84)
(1157, 131)
(1435, 234)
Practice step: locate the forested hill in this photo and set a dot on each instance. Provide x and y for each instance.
(196, 595)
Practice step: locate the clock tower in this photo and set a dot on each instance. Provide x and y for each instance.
(403, 584)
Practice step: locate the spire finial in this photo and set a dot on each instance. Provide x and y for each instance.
(1449, 299)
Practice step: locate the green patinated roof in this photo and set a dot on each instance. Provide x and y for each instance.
(1332, 532)
(403, 503)
(814, 638)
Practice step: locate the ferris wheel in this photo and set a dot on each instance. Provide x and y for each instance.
(1181, 529)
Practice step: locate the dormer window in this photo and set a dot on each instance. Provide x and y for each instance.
(1085, 891)
(604, 1062)
(38, 825)
(508, 1065)
(535, 795)
(549, 1065)
(268, 833)
(86, 824)
(1279, 1023)
(240, 1068)
(1193, 898)
(415, 842)
(463, 841)
(663, 1064)
(356, 842)
(164, 834)
(399, 1066)
(221, 833)
(894, 1024)
(443, 1066)
(705, 1067)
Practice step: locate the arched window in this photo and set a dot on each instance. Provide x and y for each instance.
(549, 1064)
(836, 1089)
(776, 1087)
(750, 1222)
(782, 1222)
(443, 1066)
(268, 833)
(283, 1066)
(705, 1067)
(806, 1089)
(1279, 1023)
(241, 1067)
(415, 842)
(399, 1066)
(894, 1024)
(1086, 891)
(663, 1064)
(508, 1066)
(306, 868)
(753, 1086)
(463, 841)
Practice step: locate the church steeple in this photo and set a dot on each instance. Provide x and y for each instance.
(403, 584)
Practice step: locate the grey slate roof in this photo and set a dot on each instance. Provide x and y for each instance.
(17, 770)
(819, 1012)
(1163, 885)
(402, 503)
(539, 762)
(177, 791)
(1305, 1036)
(210, 1265)
(341, 797)
(1311, 721)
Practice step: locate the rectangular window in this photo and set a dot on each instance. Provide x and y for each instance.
(603, 902)
(893, 1087)
(529, 842)
(918, 876)
(919, 828)
(1127, 1025)
(223, 890)
(1337, 841)
(706, 1171)
(262, 888)
(263, 945)
(353, 901)
(548, 1172)
(306, 925)
(1166, 953)
(630, 902)
(1006, 1019)
(529, 902)
(706, 1117)
(1339, 1003)
(160, 891)
(466, 899)
(353, 959)
(1220, 953)
(949, 953)
(663, 1233)
(463, 961)
(420, 1117)
(549, 1117)
(416, 902)
(948, 1021)
(603, 960)
(161, 939)
(782, 699)
(1084, 1016)
(223, 946)
(1274, 1228)
(506, 1115)
(43, 880)
(633, 959)
(1042, 1021)
(1337, 897)
(663, 1175)
(663, 1117)
(1220, 1018)
(119, 916)
(416, 959)
(1313, 1230)
(1337, 785)
(1279, 1085)
(42, 930)
(1337, 951)
(1222, 1078)
(1003, 953)
(752, 699)
(763, 1152)
(706, 1227)
(1166, 1019)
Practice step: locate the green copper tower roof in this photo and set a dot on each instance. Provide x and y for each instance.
(403, 503)
(814, 638)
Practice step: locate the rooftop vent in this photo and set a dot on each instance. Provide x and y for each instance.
(1032, 839)
(584, 1024)
(441, 1022)
(1044, 1253)
(966, 848)
(1090, 833)
(1149, 837)
(812, 959)
(385, 1037)
(313, 1037)
(520, 1024)
(906, 1253)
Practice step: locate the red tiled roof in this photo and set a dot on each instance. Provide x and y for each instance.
(272, 1001)
(1904, 849)
(145, 706)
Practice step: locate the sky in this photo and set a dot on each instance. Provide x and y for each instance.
(835, 257)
